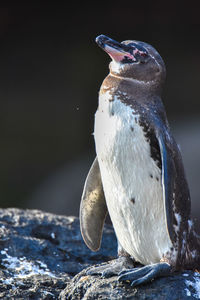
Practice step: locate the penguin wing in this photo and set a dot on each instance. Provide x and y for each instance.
(176, 192)
(93, 209)
(168, 178)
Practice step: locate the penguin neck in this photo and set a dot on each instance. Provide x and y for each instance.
(137, 90)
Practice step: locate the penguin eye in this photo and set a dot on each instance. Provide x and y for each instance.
(139, 52)
(144, 54)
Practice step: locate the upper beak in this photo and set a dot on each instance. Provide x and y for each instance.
(116, 50)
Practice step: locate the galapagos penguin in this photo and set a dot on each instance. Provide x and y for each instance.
(138, 174)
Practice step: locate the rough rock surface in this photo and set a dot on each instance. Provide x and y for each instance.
(43, 257)
(177, 287)
(41, 252)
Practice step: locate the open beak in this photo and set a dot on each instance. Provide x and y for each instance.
(116, 50)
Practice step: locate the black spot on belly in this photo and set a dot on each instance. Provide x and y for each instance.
(157, 178)
(132, 128)
(151, 175)
(133, 200)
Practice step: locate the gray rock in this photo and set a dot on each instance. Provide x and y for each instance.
(182, 286)
(41, 252)
(43, 257)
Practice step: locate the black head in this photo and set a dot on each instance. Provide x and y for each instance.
(133, 59)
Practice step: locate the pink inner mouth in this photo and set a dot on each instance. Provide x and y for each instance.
(118, 55)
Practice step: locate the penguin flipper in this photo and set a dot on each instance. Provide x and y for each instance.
(93, 209)
(168, 179)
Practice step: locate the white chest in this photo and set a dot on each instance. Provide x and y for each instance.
(131, 181)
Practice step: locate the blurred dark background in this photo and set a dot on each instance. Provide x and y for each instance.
(50, 73)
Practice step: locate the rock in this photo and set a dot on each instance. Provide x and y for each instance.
(43, 257)
(41, 252)
(176, 287)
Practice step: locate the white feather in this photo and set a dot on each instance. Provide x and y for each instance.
(127, 169)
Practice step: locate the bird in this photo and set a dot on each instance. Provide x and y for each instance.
(138, 175)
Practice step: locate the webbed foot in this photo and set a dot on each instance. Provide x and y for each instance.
(113, 267)
(145, 274)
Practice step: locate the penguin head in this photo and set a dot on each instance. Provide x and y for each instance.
(133, 59)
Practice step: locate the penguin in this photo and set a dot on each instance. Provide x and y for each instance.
(138, 175)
